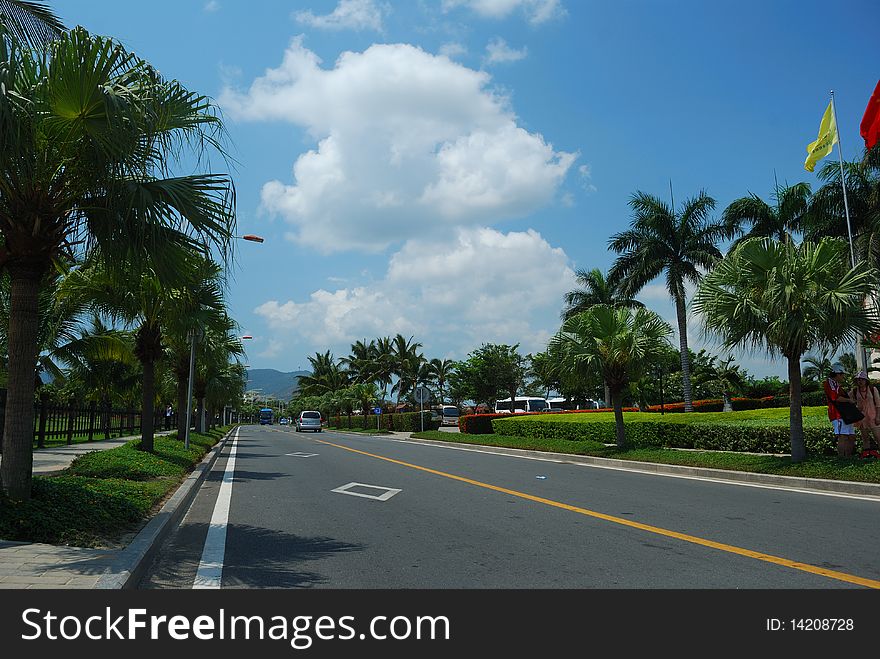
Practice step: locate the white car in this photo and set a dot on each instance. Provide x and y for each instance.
(308, 420)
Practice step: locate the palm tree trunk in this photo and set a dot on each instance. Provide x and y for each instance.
(16, 469)
(147, 418)
(200, 416)
(607, 394)
(681, 313)
(796, 419)
(618, 418)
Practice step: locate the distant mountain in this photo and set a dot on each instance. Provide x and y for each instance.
(274, 384)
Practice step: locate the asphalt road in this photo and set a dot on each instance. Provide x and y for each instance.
(446, 517)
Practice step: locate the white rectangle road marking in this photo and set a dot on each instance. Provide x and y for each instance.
(300, 454)
(387, 493)
(210, 572)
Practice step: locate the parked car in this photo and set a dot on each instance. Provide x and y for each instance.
(285, 421)
(308, 420)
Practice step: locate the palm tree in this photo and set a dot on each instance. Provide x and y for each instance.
(827, 217)
(595, 289)
(765, 221)
(30, 22)
(406, 360)
(723, 377)
(617, 342)
(383, 363)
(90, 135)
(438, 373)
(360, 363)
(677, 244)
(150, 305)
(819, 367)
(788, 299)
(326, 376)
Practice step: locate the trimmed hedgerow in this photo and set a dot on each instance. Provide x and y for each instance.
(481, 424)
(400, 422)
(756, 431)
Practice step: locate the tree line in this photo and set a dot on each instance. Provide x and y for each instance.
(114, 232)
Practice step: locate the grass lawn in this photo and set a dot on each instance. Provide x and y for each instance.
(104, 494)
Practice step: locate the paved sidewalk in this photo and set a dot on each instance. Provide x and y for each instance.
(48, 461)
(35, 565)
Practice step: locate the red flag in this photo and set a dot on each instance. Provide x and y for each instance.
(870, 128)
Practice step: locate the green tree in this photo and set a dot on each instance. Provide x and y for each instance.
(616, 342)
(406, 360)
(30, 22)
(595, 288)
(327, 376)
(361, 363)
(490, 372)
(827, 212)
(788, 299)
(679, 245)
(722, 377)
(438, 373)
(90, 135)
(151, 306)
(818, 367)
(779, 221)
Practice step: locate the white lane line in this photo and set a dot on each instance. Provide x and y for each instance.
(210, 572)
(300, 454)
(387, 492)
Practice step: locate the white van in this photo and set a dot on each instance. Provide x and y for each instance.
(521, 405)
(450, 415)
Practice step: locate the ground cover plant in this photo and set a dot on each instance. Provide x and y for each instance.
(103, 495)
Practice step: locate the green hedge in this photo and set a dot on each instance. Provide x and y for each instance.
(737, 432)
(401, 422)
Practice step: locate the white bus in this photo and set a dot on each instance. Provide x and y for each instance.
(521, 405)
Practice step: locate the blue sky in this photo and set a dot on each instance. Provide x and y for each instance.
(439, 168)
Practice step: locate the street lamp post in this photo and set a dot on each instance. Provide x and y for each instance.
(194, 335)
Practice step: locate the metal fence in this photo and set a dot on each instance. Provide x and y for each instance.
(88, 423)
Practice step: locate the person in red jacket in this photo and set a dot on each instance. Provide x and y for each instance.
(844, 433)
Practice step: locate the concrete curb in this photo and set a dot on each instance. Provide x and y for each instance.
(795, 482)
(129, 566)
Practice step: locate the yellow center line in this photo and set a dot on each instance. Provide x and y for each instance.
(769, 558)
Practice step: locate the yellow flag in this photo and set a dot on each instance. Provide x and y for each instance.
(824, 143)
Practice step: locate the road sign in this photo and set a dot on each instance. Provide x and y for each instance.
(423, 394)
(377, 410)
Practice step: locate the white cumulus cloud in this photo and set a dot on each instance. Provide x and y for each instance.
(537, 11)
(498, 52)
(477, 286)
(348, 15)
(406, 143)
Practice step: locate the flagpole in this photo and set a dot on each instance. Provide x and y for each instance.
(861, 356)
(852, 252)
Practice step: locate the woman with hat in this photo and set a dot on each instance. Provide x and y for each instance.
(868, 401)
(835, 393)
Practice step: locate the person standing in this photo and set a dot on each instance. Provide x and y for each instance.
(168, 414)
(868, 401)
(835, 393)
